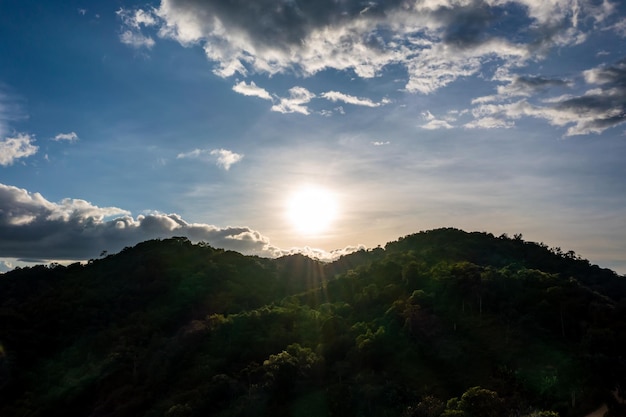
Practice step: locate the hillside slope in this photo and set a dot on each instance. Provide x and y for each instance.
(439, 323)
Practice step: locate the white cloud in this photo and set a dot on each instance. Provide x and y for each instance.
(144, 18)
(433, 123)
(521, 86)
(195, 154)
(526, 86)
(10, 111)
(321, 254)
(295, 103)
(70, 137)
(12, 149)
(137, 18)
(18, 207)
(557, 99)
(593, 111)
(620, 28)
(435, 71)
(251, 90)
(5, 266)
(136, 40)
(133, 20)
(436, 124)
(437, 41)
(489, 123)
(34, 228)
(486, 99)
(222, 157)
(335, 96)
(580, 121)
(226, 158)
(381, 143)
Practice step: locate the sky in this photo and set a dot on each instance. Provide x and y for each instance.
(316, 126)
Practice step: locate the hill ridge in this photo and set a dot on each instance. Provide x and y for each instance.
(172, 328)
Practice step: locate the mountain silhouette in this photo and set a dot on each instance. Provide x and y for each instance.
(438, 323)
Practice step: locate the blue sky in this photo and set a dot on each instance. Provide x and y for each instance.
(123, 121)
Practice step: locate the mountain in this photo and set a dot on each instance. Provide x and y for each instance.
(438, 323)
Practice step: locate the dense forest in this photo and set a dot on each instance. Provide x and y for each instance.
(439, 323)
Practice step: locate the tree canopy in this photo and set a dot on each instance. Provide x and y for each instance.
(438, 323)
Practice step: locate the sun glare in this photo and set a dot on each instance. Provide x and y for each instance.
(312, 210)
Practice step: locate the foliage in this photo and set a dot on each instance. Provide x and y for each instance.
(439, 323)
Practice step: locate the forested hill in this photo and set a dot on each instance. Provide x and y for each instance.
(439, 323)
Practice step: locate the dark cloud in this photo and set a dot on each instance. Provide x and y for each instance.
(599, 108)
(538, 83)
(467, 25)
(279, 24)
(437, 41)
(33, 228)
(611, 76)
(602, 107)
(286, 23)
(528, 85)
(593, 103)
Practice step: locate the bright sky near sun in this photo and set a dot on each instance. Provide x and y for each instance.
(279, 126)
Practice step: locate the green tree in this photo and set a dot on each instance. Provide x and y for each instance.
(481, 402)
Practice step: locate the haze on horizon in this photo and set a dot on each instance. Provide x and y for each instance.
(125, 121)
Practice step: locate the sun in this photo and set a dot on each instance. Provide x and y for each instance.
(312, 210)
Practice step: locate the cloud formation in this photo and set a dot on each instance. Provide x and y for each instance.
(5, 266)
(251, 90)
(522, 86)
(10, 111)
(320, 253)
(34, 228)
(335, 96)
(14, 148)
(222, 157)
(489, 123)
(226, 158)
(132, 21)
(296, 102)
(432, 123)
(298, 97)
(69, 137)
(600, 107)
(136, 39)
(435, 41)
